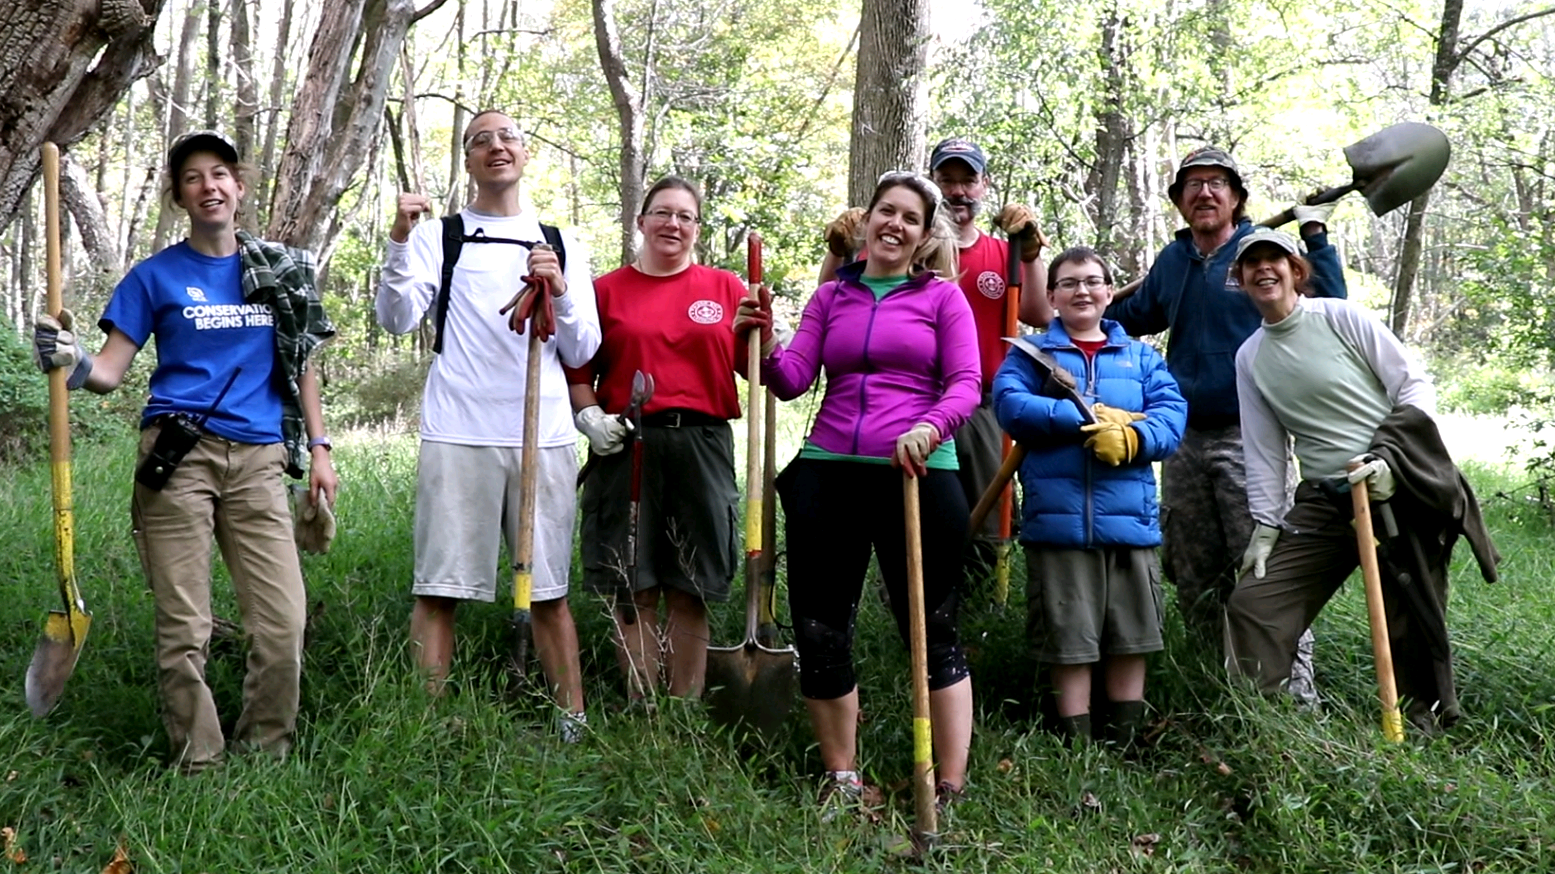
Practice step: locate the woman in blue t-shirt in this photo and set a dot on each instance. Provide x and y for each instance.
(231, 405)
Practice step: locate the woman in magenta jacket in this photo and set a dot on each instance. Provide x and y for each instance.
(895, 337)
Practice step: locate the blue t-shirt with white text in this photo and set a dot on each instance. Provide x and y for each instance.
(193, 304)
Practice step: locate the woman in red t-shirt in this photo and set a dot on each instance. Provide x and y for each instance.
(671, 319)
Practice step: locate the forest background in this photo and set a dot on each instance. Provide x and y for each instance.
(785, 111)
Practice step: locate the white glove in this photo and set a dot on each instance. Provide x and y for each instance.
(55, 346)
(606, 433)
(782, 335)
(1317, 212)
(1256, 558)
(1378, 476)
(913, 448)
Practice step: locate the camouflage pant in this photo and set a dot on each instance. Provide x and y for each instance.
(1205, 527)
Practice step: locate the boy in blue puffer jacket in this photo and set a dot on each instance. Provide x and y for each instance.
(1089, 520)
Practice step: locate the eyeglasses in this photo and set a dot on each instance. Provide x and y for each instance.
(666, 216)
(1194, 186)
(1070, 283)
(483, 139)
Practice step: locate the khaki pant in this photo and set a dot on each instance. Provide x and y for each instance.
(233, 491)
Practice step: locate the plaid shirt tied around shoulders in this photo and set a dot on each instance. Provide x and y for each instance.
(282, 278)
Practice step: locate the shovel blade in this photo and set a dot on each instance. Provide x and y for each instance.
(751, 688)
(54, 659)
(1398, 163)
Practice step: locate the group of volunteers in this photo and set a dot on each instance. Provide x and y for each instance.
(907, 327)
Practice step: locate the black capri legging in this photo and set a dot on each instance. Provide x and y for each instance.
(836, 512)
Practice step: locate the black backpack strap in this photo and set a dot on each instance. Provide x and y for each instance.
(453, 241)
(553, 236)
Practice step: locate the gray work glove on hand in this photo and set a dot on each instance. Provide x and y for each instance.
(1317, 212)
(914, 447)
(1017, 218)
(1378, 476)
(54, 346)
(843, 232)
(314, 528)
(606, 433)
(1256, 558)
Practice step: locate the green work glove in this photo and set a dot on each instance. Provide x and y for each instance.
(1256, 557)
(1112, 443)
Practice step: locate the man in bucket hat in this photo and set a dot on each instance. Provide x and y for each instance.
(1205, 522)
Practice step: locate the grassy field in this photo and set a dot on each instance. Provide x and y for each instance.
(384, 779)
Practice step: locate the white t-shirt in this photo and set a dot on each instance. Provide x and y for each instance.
(475, 389)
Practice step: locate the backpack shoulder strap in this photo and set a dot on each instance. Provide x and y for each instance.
(553, 236)
(453, 241)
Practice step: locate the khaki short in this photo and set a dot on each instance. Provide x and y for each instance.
(1082, 604)
(467, 501)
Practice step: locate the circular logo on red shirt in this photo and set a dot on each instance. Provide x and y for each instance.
(990, 284)
(706, 312)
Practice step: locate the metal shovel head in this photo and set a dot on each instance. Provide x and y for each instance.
(1397, 164)
(54, 659)
(751, 688)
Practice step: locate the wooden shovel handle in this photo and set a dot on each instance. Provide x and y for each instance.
(1376, 611)
(925, 816)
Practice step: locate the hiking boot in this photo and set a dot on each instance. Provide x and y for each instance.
(573, 726)
(947, 795)
(841, 792)
(1124, 721)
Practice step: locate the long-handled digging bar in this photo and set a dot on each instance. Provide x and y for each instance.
(751, 684)
(925, 816)
(64, 631)
(626, 606)
(1390, 168)
(1376, 612)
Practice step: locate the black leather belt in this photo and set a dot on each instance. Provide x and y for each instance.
(680, 419)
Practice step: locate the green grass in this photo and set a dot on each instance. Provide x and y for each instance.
(384, 779)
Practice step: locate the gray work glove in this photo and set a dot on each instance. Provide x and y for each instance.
(1378, 476)
(1256, 558)
(314, 527)
(606, 433)
(55, 346)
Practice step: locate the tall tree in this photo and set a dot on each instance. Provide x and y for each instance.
(890, 93)
(63, 66)
(629, 115)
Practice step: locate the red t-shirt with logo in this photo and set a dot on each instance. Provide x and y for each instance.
(679, 329)
(982, 281)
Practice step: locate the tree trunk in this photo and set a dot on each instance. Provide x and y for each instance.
(177, 115)
(63, 66)
(243, 128)
(629, 116)
(1112, 135)
(80, 198)
(277, 95)
(323, 152)
(890, 94)
(212, 63)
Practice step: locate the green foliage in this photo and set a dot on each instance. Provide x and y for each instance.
(24, 400)
(1491, 388)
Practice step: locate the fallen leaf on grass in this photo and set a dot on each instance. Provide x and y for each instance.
(1224, 769)
(120, 863)
(1145, 844)
(1005, 766)
(12, 851)
(1090, 802)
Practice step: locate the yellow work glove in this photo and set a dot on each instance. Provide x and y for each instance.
(1016, 218)
(843, 232)
(1112, 443)
(1117, 416)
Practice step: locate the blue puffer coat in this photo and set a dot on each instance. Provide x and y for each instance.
(1072, 500)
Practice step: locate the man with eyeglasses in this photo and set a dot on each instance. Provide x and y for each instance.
(1206, 525)
(472, 414)
(959, 167)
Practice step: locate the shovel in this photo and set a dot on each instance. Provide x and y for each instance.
(64, 631)
(1013, 277)
(925, 816)
(752, 685)
(529, 485)
(1389, 168)
(1376, 611)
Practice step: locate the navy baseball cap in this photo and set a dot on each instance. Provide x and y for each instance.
(958, 149)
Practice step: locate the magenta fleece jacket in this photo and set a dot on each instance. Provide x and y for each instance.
(910, 357)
